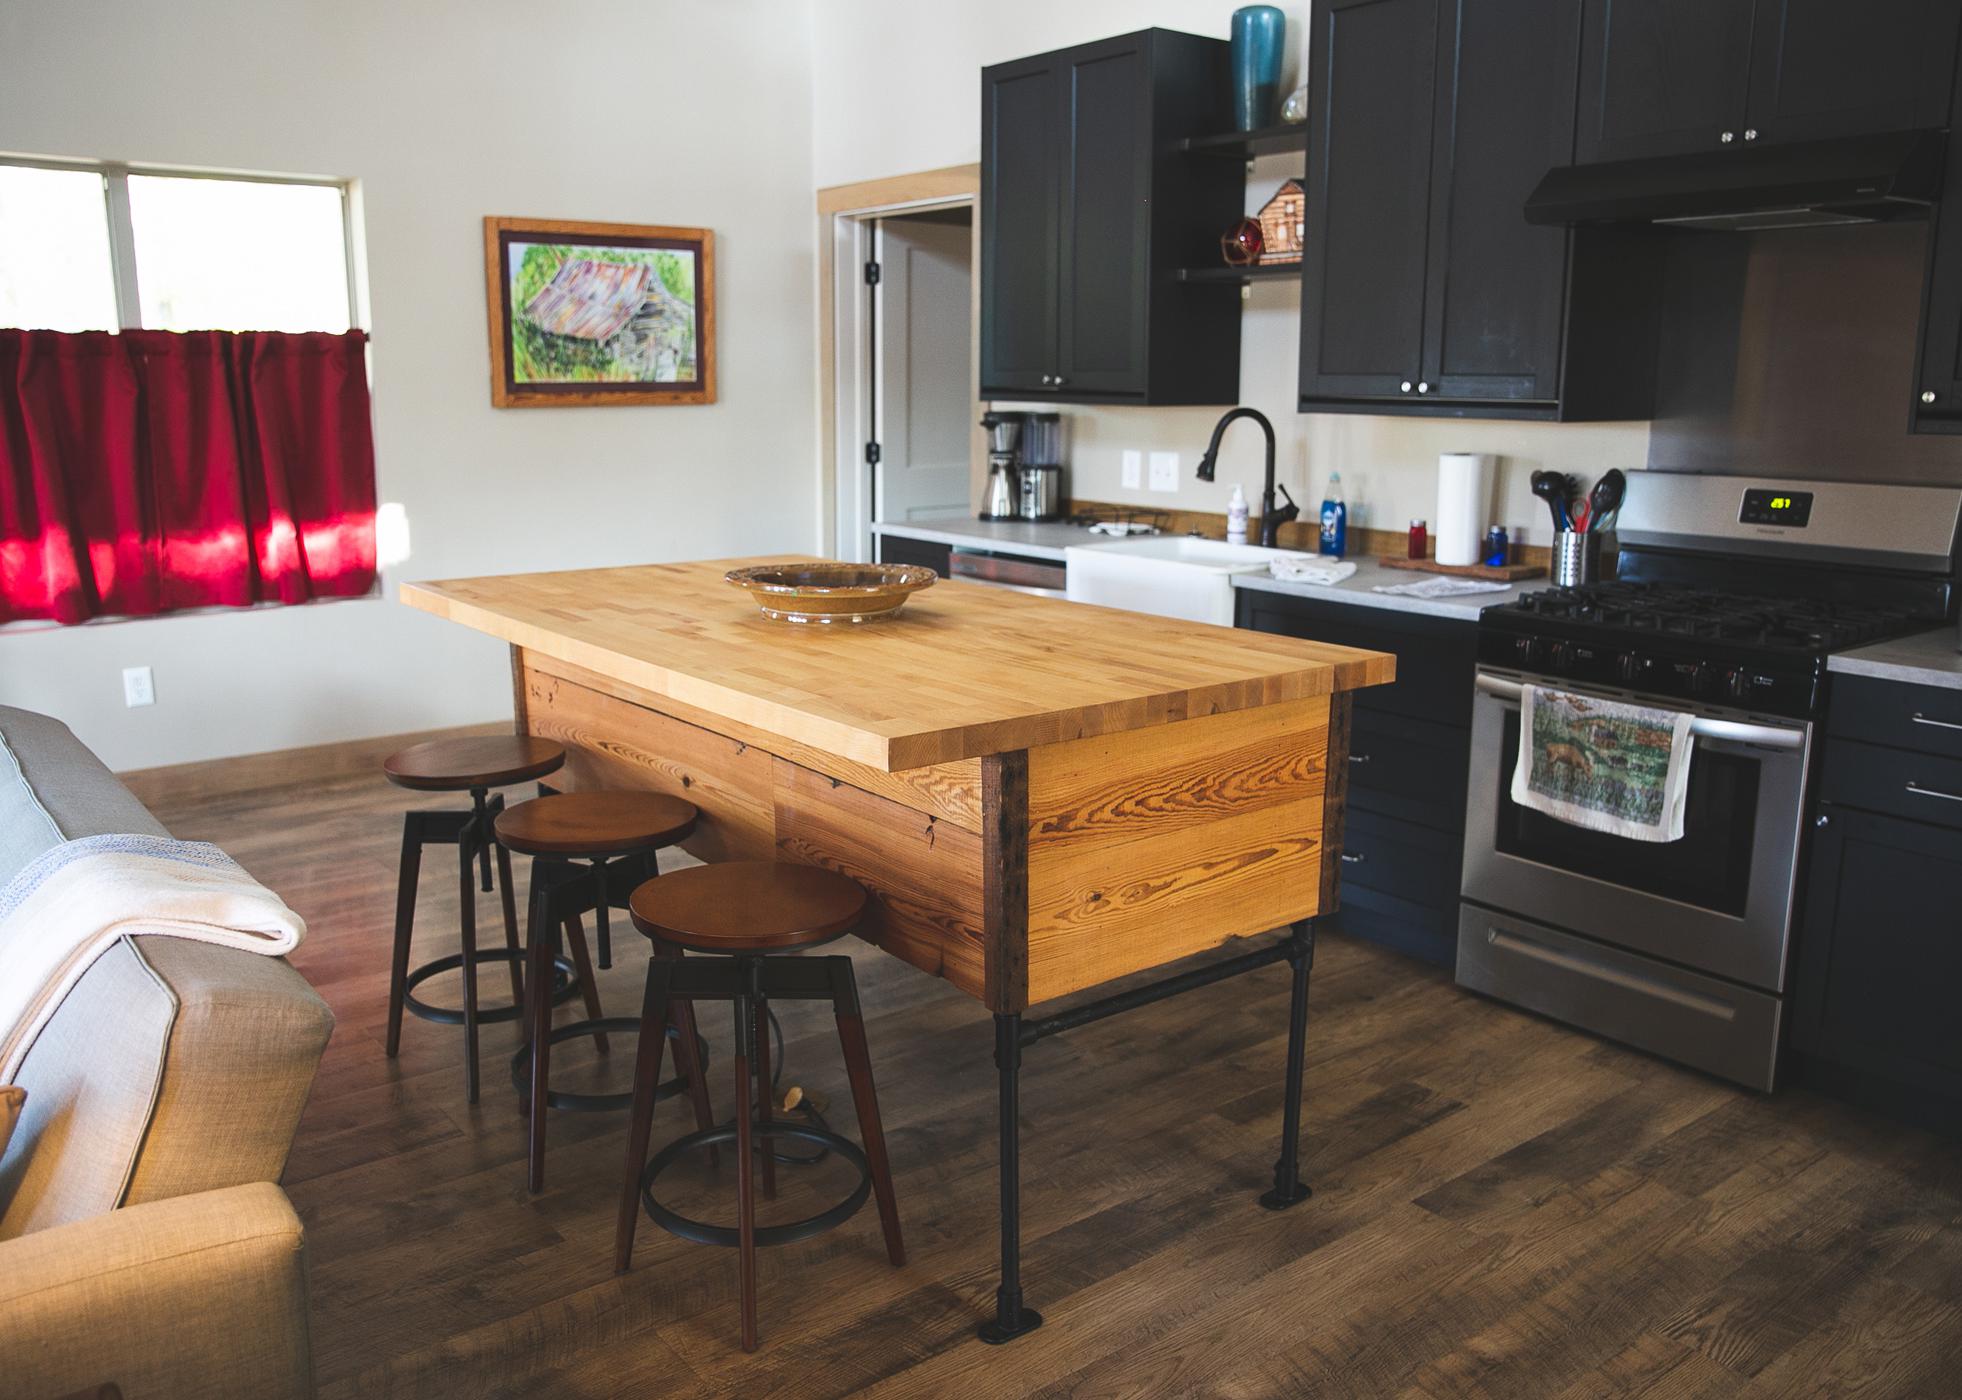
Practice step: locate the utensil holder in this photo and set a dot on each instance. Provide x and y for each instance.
(1576, 558)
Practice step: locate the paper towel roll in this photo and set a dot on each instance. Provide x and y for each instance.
(1464, 501)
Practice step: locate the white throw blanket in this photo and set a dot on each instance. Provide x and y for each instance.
(71, 903)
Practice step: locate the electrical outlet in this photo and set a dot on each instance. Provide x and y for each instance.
(1164, 471)
(138, 687)
(1133, 468)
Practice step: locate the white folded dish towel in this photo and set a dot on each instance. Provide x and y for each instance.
(1622, 769)
(71, 903)
(1443, 588)
(1309, 568)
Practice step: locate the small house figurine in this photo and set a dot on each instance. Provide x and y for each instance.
(1281, 220)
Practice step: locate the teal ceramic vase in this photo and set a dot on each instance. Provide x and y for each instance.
(1258, 33)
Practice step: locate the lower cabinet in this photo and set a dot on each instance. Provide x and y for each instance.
(1409, 751)
(1880, 940)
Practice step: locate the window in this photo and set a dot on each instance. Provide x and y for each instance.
(110, 248)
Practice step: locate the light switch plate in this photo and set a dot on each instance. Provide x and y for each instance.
(138, 687)
(1164, 471)
(1133, 468)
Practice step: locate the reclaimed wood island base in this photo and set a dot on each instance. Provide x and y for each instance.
(1041, 796)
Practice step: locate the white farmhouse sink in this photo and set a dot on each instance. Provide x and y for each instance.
(1169, 575)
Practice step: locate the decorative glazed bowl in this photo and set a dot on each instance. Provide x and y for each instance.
(826, 592)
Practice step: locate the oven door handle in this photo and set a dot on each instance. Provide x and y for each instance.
(1702, 726)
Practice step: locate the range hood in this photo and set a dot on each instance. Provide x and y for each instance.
(1854, 179)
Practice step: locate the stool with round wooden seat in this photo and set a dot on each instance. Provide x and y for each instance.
(747, 912)
(474, 765)
(589, 850)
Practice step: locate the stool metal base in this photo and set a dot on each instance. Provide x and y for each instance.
(701, 1232)
(994, 1332)
(597, 1103)
(564, 984)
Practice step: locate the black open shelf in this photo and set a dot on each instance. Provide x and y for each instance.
(1291, 138)
(1260, 272)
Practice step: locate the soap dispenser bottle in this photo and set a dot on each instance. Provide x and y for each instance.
(1335, 519)
(1236, 517)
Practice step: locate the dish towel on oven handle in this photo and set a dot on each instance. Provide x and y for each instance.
(1599, 764)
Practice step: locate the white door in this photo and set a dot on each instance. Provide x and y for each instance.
(923, 400)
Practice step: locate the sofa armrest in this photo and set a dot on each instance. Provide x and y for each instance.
(200, 1296)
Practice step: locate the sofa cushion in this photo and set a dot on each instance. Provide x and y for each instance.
(52, 789)
(92, 1082)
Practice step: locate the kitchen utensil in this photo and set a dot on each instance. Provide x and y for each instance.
(831, 592)
(1576, 558)
(1605, 499)
(1551, 488)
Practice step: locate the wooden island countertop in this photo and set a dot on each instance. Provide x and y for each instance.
(962, 672)
(1039, 796)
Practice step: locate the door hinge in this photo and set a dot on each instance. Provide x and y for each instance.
(872, 454)
(872, 274)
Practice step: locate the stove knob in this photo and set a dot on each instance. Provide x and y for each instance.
(1629, 666)
(1702, 678)
(1737, 684)
(1561, 654)
(1529, 651)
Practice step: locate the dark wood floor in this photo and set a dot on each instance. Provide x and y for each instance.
(1502, 1207)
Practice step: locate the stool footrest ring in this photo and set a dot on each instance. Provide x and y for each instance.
(573, 1102)
(702, 1232)
(565, 982)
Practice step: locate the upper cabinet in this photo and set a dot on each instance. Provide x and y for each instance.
(1672, 77)
(1424, 290)
(1088, 210)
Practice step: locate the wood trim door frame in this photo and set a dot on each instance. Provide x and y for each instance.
(845, 214)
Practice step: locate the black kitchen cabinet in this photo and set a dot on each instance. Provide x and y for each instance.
(1672, 77)
(1409, 755)
(1936, 395)
(1661, 77)
(1879, 950)
(1424, 290)
(1088, 210)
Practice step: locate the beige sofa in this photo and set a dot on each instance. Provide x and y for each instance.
(142, 1240)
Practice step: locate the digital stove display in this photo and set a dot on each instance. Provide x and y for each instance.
(1790, 509)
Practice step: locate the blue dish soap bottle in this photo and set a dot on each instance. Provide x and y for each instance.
(1335, 519)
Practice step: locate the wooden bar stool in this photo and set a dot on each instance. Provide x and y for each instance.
(588, 850)
(748, 911)
(474, 766)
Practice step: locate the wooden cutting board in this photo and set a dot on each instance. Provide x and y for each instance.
(1501, 573)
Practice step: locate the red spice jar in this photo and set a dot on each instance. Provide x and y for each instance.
(1420, 540)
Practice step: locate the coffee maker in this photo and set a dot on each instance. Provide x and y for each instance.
(1003, 498)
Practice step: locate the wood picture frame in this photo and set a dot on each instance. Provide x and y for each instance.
(632, 321)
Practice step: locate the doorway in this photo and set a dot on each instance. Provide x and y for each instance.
(901, 436)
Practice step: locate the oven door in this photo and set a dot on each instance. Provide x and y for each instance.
(1718, 901)
(1015, 573)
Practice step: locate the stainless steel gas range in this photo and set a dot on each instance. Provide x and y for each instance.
(1731, 593)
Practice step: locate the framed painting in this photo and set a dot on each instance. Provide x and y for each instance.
(584, 313)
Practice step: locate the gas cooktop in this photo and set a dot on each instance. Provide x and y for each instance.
(1673, 611)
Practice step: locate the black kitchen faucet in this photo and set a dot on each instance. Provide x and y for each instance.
(1271, 516)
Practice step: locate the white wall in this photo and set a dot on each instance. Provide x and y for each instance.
(897, 89)
(643, 111)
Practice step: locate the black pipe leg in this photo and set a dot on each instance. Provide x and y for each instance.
(1011, 1319)
(1289, 1189)
(482, 818)
(601, 904)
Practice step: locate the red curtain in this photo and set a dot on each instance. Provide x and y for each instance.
(149, 471)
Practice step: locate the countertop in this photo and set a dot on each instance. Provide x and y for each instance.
(1926, 658)
(1048, 542)
(965, 671)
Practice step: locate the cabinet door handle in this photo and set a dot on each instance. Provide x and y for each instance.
(1920, 791)
(1405, 386)
(1422, 387)
(1059, 381)
(1750, 133)
(1352, 858)
(1728, 137)
(1936, 723)
(1927, 396)
(1359, 759)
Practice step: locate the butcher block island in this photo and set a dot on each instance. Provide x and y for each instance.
(1041, 796)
